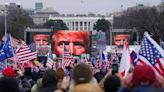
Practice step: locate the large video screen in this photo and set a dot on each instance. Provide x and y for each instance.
(41, 40)
(75, 42)
(120, 39)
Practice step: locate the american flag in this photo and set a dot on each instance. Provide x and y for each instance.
(151, 54)
(67, 58)
(24, 53)
(50, 64)
(66, 53)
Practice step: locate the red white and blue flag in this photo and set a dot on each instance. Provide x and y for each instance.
(50, 63)
(67, 58)
(151, 54)
(24, 53)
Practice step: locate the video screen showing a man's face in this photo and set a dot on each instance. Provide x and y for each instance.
(41, 39)
(120, 39)
(42, 43)
(76, 42)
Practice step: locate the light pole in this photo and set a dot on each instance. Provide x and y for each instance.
(4, 12)
(5, 21)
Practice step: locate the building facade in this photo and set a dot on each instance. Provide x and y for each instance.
(41, 16)
(38, 6)
(81, 22)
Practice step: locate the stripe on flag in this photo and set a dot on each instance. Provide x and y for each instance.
(49, 63)
(67, 58)
(67, 62)
(151, 54)
(24, 53)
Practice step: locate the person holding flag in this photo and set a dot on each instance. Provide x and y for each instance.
(125, 61)
(6, 51)
(151, 54)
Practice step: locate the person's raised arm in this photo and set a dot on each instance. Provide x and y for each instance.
(101, 83)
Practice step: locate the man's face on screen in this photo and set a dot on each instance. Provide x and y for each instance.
(74, 42)
(41, 39)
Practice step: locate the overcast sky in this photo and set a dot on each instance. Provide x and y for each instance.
(84, 6)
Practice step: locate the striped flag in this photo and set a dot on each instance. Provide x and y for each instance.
(151, 54)
(66, 53)
(50, 63)
(67, 62)
(24, 53)
(67, 58)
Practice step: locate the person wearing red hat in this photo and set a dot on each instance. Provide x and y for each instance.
(142, 79)
(9, 72)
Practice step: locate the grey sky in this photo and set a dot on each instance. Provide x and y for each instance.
(84, 6)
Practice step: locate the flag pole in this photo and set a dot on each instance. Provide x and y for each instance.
(71, 50)
(13, 52)
(100, 56)
(63, 54)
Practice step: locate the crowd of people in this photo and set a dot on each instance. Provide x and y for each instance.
(81, 79)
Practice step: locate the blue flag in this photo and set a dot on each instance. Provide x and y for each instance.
(2, 55)
(7, 47)
(2, 65)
